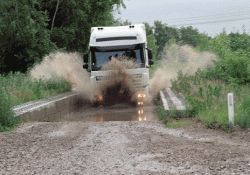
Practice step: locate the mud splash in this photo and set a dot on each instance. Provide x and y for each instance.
(175, 58)
(117, 87)
(67, 66)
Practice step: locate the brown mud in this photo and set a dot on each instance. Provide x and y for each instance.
(122, 147)
(118, 85)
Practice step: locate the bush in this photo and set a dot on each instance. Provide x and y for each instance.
(18, 88)
(233, 66)
(243, 119)
(23, 89)
(208, 99)
(233, 70)
(7, 116)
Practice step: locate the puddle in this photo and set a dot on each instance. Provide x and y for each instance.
(145, 113)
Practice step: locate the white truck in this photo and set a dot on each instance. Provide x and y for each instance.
(106, 42)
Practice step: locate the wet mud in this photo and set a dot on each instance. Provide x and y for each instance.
(118, 112)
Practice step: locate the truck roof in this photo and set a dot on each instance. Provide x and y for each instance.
(115, 36)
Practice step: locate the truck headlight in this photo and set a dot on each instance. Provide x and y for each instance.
(141, 95)
(140, 103)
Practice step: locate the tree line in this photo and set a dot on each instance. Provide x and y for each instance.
(191, 36)
(30, 29)
(185, 35)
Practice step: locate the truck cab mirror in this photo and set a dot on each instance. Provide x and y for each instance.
(150, 54)
(85, 58)
(85, 66)
(150, 62)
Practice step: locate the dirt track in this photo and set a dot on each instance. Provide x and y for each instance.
(122, 147)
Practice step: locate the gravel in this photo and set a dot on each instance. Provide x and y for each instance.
(122, 147)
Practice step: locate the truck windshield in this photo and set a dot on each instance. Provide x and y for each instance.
(101, 55)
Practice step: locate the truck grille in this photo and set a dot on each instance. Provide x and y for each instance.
(136, 81)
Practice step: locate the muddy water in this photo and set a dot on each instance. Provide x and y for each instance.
(115, 113)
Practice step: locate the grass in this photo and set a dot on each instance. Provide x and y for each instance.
(22, 88)
(173, 118)
(58, 120)
(17, 88)
(7, 116)
(177, 124)
(208, 99)
(207, 90)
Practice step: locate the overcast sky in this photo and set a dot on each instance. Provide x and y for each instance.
(190, 12)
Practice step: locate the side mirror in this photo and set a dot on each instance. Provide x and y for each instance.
(150, 62)
(85, 58)
(85, 66)
(150, 54)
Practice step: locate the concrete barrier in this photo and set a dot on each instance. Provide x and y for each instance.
(50, 109)
(173, 100)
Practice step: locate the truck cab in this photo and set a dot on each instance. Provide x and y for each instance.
(107, 42)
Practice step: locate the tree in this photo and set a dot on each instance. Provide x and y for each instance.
(149, 29)
(189, 36)
(119, 22)
(221, 45)
(152, 45)
(163, 34)
(74, 18)
(24, 37)
(239, 41)
(203, 43)
(30, 29)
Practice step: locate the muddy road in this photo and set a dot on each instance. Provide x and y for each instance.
(91, 142)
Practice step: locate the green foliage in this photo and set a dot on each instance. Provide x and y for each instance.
(221, 45)
(206, 91)
(23, 89)
(152, 45)
(74, 18)
(24, 38)
(177, 124)
(243, 118)
(208, 99)
(189, 36)
(163, 34)
(166, 35)
(17, 88)
(239, 41)
(233, 65)
(30, 29)
(173, 118)
(7, 116)
(118, 22)
(203, 42)
(149, 29)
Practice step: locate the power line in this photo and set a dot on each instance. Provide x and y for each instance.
(210, 22)
(203, 17)
(208, 17)
(217, 15)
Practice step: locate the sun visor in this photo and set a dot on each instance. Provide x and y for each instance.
(114, 48)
